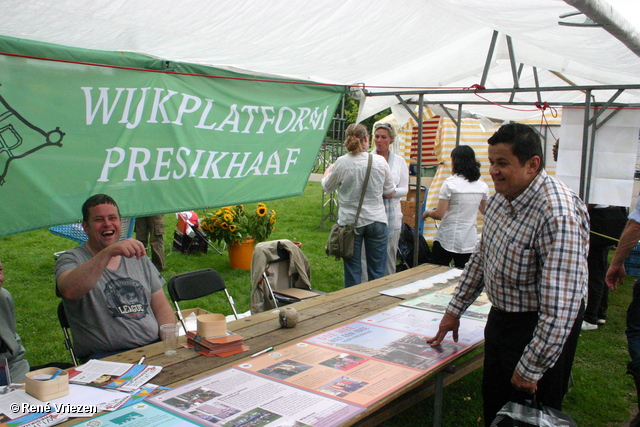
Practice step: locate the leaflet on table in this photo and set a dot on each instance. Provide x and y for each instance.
(389, 345)
(139, 415)
(113, 375)
(439, 301)
(234, 397)
(426, 323)
(355, 379)
(80, 402)
(132, 398)
(433, 283)
(36, 419)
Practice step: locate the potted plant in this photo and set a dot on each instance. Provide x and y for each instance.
(240, 230)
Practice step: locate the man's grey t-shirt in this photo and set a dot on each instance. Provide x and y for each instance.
(116, 314)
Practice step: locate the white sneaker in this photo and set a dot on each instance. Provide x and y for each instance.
(601, 321)
(586, 326)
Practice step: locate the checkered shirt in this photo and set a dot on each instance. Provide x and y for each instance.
(532, 257)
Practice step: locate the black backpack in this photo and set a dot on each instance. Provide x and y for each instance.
(406, 249)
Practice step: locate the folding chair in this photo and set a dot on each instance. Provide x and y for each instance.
(64, 324)
(197, 284)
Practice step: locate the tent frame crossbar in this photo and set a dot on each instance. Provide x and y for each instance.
(590, 124)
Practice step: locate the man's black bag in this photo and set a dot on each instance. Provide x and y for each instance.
(532, 414)
(406, 249)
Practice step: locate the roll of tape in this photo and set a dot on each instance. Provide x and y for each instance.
(288, 317)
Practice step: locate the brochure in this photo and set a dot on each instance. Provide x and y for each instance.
(234, 397)
(439, 301)
(113, 375)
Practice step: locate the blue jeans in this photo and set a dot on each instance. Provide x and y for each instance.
(633, 328)
(374, 236)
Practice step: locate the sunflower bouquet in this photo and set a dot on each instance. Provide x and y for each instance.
(234, 224)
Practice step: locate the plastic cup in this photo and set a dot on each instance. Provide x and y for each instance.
(169, 335)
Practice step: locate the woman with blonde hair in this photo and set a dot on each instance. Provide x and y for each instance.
(347, 175)
(384, 135)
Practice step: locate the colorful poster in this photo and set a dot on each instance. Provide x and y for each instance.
(388, 345)
(430, 284)
(423, 322)
(439, 301)
(234, 398)
(353, 378)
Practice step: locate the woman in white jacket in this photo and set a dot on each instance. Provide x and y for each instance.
(384, 135)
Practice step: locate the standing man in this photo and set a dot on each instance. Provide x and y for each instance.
(111, 292)
(150, 229)
(532, 263)
(615, 275)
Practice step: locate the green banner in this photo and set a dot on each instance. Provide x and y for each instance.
(157, 136)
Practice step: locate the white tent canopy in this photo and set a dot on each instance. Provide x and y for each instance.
(384, 46)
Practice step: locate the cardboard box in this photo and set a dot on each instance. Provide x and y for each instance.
(188, 245)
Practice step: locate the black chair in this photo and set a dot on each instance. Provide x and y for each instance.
(197, 284)
(64, 324)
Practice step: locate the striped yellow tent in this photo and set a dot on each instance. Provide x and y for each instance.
(474, 134)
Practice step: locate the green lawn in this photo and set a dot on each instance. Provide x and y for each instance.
(600, 396)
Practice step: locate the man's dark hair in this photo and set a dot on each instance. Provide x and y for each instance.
(95, 200)
(524, 140)
(463, 162)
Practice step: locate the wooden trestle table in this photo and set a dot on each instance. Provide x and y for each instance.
(316, 315)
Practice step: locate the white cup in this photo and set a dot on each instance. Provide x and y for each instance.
(169, 335)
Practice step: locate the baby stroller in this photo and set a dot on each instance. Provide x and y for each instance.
(406, 249)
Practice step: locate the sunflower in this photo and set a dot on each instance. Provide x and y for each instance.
(262, 210)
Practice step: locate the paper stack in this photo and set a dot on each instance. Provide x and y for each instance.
(221, 346)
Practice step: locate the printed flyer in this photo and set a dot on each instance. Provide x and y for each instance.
(430, 284)
(438, 301)
(389, 345)
(234, 398)
(353, 378)
(423, 322)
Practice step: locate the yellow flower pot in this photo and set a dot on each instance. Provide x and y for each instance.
(240, 254)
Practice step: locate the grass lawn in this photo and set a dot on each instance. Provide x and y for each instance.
(601, 394)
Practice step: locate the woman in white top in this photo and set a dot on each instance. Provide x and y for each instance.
(461, 196)
(347, 176)
(384, 135)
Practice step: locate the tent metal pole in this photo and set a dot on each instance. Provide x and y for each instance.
(418, 207)
(406, 106)
(610, 20)
(585, 145)
(459, 125)
(505, 90)
(537, 82)
(487, 63)
(446, 110)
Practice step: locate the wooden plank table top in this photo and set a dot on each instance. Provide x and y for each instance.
(260, 331)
